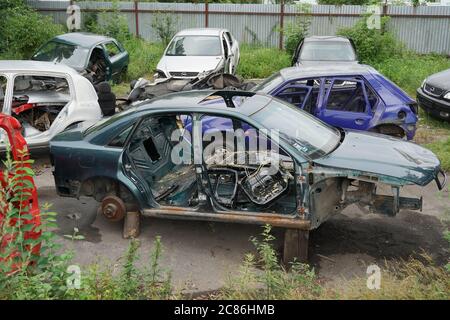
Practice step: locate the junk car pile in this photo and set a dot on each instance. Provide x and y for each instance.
(290, 151)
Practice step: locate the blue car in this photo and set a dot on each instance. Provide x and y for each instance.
(347, 96)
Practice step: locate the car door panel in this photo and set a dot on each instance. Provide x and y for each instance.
(116, 58)
(345, 104)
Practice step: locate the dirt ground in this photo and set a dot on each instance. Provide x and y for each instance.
(201, 256)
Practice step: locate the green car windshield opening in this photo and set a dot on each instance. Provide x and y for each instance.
(300, 129)
(69, 54)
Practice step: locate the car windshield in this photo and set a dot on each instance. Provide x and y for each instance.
(68, 54)
(304, 132)
(269, 84)
(327, 51)
(195, 46)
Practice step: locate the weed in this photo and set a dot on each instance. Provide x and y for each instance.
(273, 281)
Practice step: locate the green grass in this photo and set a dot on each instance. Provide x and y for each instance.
(442, 149)
(144, 57)
(258, 62)
(409, 70)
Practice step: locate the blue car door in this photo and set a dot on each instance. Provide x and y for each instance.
(302, 93)
(345, 103)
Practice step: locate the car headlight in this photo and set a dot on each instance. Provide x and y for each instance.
(423, 83)
(159, 74)
(447, 96)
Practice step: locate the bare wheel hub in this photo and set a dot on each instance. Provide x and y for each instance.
(113, 208)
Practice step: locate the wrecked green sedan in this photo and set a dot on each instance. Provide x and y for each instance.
(233, 156)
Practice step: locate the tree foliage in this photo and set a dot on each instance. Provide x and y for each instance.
(22, 29)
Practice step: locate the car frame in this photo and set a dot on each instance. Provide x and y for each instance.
(190, 67)
(103, 164)
(79, 104)
(114, 54)
(387, 108)
(297, 61)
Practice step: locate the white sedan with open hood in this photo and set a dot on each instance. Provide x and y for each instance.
(46, 98)
(195, 51)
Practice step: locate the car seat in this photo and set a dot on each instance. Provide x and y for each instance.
(106, 98)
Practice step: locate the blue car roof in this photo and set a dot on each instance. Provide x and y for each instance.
(391, 96)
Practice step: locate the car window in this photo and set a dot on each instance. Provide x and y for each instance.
(309, 135)
(3, 82)
(372, 98)
(327, 51)
(71, 55)
(121, 138)
(242, 143)
(38, 100)
(229, 38)
(346, 95)
(303, 93)
(269, 83)
(112, 49)
(195, 46)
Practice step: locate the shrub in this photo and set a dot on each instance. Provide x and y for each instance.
(165, 26)
(102, 282)
(273, 281)
(33, 277)
(112, 24)
(23, 30)
(373, 45)
(297, 30)
(345, 2)
(144, 56)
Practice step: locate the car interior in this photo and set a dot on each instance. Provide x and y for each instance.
(235, 178)
(344, 94)
(37, 101)
(97, 66)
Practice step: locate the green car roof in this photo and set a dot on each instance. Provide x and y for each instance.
(82, 39)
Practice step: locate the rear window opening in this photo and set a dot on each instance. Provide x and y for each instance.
(152, 152)
(37, 102)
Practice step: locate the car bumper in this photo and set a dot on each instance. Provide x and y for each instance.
(436, 107)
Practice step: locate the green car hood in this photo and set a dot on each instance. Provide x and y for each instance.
(383, 155)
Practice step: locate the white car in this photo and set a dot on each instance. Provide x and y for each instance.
(46, 98)
(195, 51)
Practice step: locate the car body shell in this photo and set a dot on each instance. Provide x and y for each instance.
(116, 64)
(82, 104)
(189, 67)
(393, 107)
(433, 96)
(297, 61)
(81, 155)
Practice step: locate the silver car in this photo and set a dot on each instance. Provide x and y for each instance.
(46, 98)
(195, 51)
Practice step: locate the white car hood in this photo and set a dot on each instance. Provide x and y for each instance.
(188, 63)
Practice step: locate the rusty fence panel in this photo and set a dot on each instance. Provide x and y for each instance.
(422, 29)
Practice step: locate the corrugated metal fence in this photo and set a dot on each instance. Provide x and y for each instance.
(422, 29)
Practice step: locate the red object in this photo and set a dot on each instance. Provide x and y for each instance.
(23, 107)
(19, 152)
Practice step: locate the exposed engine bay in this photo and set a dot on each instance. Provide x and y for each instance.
(37, 101)
(265, 186)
